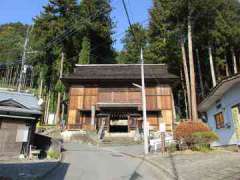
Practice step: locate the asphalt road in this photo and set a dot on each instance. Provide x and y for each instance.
(82, 162)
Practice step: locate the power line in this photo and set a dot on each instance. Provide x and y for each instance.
(73, 30)
(129, 21)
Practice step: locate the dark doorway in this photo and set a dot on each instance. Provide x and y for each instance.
(118, 122)
(118, 129)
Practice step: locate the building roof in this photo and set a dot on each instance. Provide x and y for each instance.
(218, 92)
(119, 72)
(19, 102)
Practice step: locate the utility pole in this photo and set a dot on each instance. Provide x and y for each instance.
(212, 67)
(186, 75)
(23, 60)
(144, 108)
(58, 115)
(192, 72)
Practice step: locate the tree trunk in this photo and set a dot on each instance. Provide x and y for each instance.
(47, 108)
(192, 73)
(185, 95)
(212, 67)
(10, 78)
(186, 75)
(40, 89)
(227, 67)
(234, 62)
(63, 108)
(58, 108)
(200, 74)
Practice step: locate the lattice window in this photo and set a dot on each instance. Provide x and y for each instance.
(219, 119)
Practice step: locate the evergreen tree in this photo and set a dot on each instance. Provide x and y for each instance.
(132, 46)
(163, 42)
(84, 56)
(12, 37)
(97, 27)
(52, 32)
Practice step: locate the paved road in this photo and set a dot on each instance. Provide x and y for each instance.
(82, 162)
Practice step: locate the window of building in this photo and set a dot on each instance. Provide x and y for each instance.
(236, 116)
(219, 119)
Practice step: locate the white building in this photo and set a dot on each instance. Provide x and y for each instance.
(222, 110)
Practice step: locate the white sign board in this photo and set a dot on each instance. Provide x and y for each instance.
(22, 134)
(162, 127)
(155, 141)
(51, 119)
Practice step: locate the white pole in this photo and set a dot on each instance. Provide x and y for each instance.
(234, 63)
(23, 59)
(144, 109)
(212, 67)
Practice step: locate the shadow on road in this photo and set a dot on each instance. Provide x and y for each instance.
(30, 170)
(135, 175)
(59, 173)
(174, 168)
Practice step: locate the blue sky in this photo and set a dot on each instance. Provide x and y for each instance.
(25, 10)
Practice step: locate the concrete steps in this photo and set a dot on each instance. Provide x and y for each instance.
(111, 141)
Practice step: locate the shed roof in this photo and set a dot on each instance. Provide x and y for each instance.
(19, 102)
(218, 92)
(119, 72)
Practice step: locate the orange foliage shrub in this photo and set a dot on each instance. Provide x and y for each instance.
(184, 131)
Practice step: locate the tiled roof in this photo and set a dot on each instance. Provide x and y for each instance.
(119, 72)
(19, 110)
(218, 92)
(29, 101)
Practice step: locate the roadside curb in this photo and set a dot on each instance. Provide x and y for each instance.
(159, 167)
(143, 157)
(51, 169)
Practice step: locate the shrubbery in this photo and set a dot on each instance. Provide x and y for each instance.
(195, 134)
(51, 154)
(204, 137)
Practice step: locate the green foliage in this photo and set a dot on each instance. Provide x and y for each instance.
(196, 135)
(172, 147)
(185, 130)
(97, 26)
(82, 30)
(84, 56)
(59, 87)
(204, 137)
(202, 148)
(12, 37)
(202, 141)
(53, 154)
(131, 48)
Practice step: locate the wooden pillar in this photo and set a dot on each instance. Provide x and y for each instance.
(108, 122)
(93, 112)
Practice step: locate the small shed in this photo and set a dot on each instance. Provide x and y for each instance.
(222, 110)
(19, 113)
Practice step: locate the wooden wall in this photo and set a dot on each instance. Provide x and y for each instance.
(80, 98)
(158, 99)
(8, 132)
(119, 95)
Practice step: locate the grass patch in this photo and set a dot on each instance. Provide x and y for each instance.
(202, 148)
(51, 154)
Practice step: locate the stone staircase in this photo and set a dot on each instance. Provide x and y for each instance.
(118, 141)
